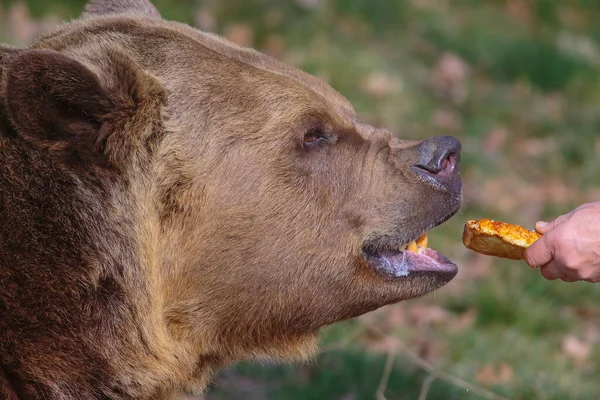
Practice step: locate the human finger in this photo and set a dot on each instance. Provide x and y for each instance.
(590, 274)
(571, 276)
(552, 271)
(593, 279)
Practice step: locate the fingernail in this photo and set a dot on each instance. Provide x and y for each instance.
(540, 224)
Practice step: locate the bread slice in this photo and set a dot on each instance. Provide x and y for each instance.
(498, 239)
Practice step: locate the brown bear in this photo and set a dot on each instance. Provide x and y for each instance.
(171, 203)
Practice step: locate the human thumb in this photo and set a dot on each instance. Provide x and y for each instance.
(545, 227)
(539, 253)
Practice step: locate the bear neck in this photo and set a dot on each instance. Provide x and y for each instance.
(84, 261)
(5, 54)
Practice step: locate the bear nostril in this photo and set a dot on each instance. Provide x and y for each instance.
(439, 158)
(446, 163)
(438, 154)
(449, 163)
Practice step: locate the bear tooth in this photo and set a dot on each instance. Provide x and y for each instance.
(417, 245)
(412, 246)
(422, 241)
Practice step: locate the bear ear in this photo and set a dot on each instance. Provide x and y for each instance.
(57, 102)
(142, 8)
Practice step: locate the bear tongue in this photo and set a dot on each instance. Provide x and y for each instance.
(417, 258)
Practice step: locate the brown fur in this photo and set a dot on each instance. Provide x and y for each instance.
(162, 216)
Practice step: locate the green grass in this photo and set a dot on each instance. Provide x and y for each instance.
(541, 95)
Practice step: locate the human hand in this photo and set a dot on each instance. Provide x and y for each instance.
(570, 246)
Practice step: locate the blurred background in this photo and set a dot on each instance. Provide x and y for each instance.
(518, 82)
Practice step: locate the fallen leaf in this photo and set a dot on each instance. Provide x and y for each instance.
(428, 315)
(491, 374)
(275, 46)
(382, 343)
(520, 10)
(592, 333)
(534, 147)
(23, 27)
(205, 20)
(309, 3)
(464, 321)
(449, 76)
(240, 34)
(379, 84)
(495, 140)
(429, 349)
(447, 120)
(576, 349)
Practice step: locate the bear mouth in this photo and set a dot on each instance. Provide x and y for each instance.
(406, 259)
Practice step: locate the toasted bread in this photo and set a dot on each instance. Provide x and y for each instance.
(498, 239)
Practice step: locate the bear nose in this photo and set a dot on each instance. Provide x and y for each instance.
(438, 160)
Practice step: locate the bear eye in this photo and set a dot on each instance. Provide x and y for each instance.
(317, 135)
